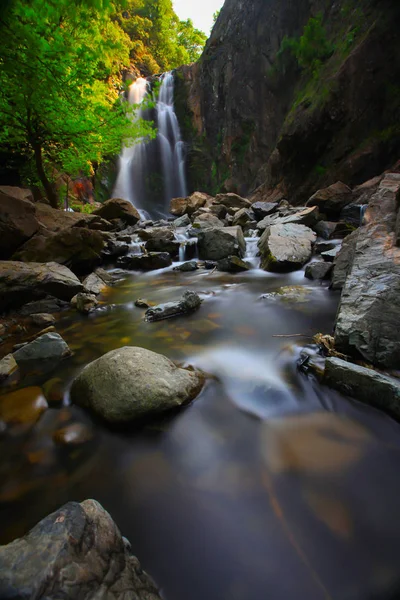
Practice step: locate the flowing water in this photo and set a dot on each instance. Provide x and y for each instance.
(151, 173)
(267, 486)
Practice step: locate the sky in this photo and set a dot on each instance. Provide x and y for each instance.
(200, 11)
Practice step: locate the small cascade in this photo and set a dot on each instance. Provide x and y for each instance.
(363, 209)
(187, 245)
(151, 173)
(130, 183)
(252, 251)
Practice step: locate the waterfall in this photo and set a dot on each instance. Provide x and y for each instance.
(151, 173)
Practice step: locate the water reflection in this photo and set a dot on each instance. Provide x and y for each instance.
(267, 486)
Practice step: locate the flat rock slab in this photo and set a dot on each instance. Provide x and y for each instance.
(132, 383)
(365, 385)
(369, 312)
(285, 247)
(21, 282)
(76, 553)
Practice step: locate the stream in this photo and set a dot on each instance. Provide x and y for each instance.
(268, 486)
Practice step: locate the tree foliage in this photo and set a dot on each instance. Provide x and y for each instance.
(60, 85)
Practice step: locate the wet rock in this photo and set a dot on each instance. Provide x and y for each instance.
(96, 282)
(178, 206)
(243, 217)
(330, 255)
(369, 310)
(22, 282)
(189, 302)
(116, 208)
(53, 390)
(318, 270)
(232, 201)
(8, 366)
(140, 303)
(216, 244)
(183, 221)
(84, 303)
(115, 248)
(76, 553)
(263, 209)
(352, 214)
(187, 267)
(79, 249)
(131, 383)
(233, 264)
(206, 221)
(343, 261)
(23, 406)
(75, 434)
(146, 262)
(43, 319)
(289, 294)
(45, 351)
(332, 200)
(48, 305)
(365, 385)
(163, 245)
(268, 221)
(157, 233)
(18, 223)
(285, 247)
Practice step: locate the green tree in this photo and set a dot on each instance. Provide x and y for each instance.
(60, 86)
(191, 39)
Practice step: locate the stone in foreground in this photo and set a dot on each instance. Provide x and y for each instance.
(76, 553)
(22, 282)
(365, 385)
(189, 302)
(132, 383)
(285, 247)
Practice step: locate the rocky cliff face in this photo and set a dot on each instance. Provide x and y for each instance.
(262, 118)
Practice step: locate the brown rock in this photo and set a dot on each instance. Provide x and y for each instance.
(116, 208)
(178, 206)
(17, 223)
(22, 406)
(73, 435)
(332, 200)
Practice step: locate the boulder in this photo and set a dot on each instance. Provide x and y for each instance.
(77, 248)
(22, 282)
(197, 200)
(43, 319)
(332, 200)
(318, 270)
(46, 351)
(48, 304)
(207, 220)
(216, 244)
(233, 264)
(189, 303)
(306, 216)
(115, 249)
(330, 255)
(16, 192)
(17, 223)
(76, 553)
(97, 281)
(186, 267)
(352, 214)
(178, 206)
(56, 220)
(263, 209)
(132, 383)
(163, 245)
(285, 247)
(329, 230)
(369, 311)
(219, 210)
(22, 407)
(232, 201)
(183, 221)
(242, 217)
(8, 366)
(365, 385)
(84, 303)
(116, 208)
(146, 262)
(157, 233)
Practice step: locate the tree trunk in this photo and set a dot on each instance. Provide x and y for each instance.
(47, 185)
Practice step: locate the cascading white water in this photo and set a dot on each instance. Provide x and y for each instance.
(151, 173)
(133, 159)
(170, 142)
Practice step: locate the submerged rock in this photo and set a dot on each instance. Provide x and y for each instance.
(43, 319)
(189, 302)
(369, 311)
(22, 282)
(216, 244)
(96, 282)
(84, 303)
(285, 247)
(130, 383)
(22, 407)
(186, 267)
(75, 434)
(45, 351)
(76, 553)
(364, 384)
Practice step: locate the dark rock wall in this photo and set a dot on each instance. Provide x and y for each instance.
(255, 122)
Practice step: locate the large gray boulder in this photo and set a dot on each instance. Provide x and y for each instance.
(131, 383)
(216, 243)
(76, 553)
(22, 282)
(365, 385)
(369, 312)
(285, 247)
(18, 222)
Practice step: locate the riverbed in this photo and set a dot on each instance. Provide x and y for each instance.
(269, 486)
